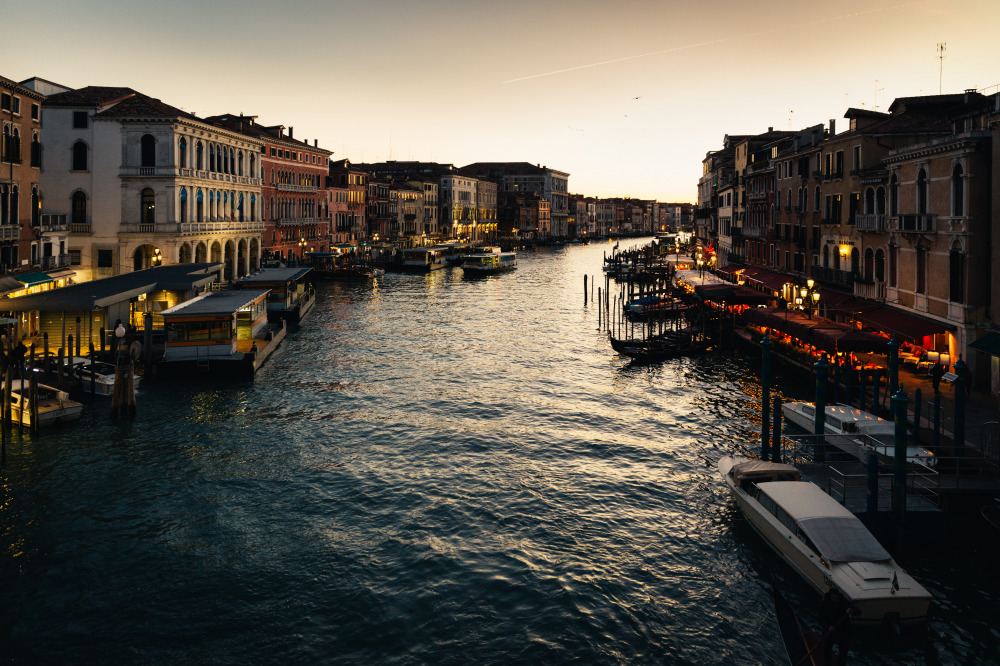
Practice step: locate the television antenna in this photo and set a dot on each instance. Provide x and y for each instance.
(941, 49)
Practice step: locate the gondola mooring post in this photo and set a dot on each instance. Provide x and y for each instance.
(765, 396)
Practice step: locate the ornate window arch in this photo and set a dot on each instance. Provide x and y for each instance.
(81, 156)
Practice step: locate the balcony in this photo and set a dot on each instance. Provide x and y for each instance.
(287, 187)
(873, 290)
(80, 228)
(752, 232)
(174, 172)
(915, 223)
(61, 261)
(298, 221)
(9, 232)
(757, 197)
(832, 276)
(871, 222)
(188, 228)
(52, 223)
(147, 228)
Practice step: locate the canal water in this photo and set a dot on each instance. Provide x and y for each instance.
(433, 469)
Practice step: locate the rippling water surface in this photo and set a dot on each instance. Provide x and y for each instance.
(432, 469)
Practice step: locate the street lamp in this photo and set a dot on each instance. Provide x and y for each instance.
(302, 249)
(157, 257)
(808, 297)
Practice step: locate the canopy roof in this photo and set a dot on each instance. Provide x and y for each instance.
(820, 332)
(989, 344)
(96, 294)
(902, 324)
(835, 532)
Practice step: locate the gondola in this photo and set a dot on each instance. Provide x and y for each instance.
(661, 347)
(802, 644)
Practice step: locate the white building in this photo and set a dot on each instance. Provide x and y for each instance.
(144, 183)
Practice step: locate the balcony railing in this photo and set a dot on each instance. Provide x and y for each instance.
(871, 222)
(61, 261)
(80, 228)
(9, 232)
(220, 227)
(288, 187)
(871, 290)
(832, 276)
(915, 223)
(171, 172)
(298, 221)
(752, 232)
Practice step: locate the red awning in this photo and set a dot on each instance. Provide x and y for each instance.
(769, 279)
(903, 325)
(731, 294)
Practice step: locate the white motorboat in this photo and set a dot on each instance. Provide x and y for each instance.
(824, 542)
(103, 374)
(855, 431)
(53, 405)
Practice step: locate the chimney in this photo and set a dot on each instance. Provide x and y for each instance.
(291, 132)
(833, 126)
(770, 129)
(315, 143)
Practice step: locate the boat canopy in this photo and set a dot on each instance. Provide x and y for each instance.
(843, 539)
(760, 470)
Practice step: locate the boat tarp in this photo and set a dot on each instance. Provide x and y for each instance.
(753, 470)
(843, 539)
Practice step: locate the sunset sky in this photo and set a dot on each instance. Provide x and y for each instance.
(626, 96)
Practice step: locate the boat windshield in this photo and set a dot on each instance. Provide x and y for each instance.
(843, 539)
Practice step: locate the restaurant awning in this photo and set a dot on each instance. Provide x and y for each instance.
(768, 279)
(988, 344)
(61, 273)
(9, 285)
(31, 279)
(901, 324)
(732, 294)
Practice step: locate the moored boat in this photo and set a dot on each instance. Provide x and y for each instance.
(489, 262)
(51, 404)
(855, 431)
(103, 375)
(827, 545)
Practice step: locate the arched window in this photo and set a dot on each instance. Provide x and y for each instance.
(184, 205)
(182, 153)
(272, 176)
(211, 157)
(199, 201)
(36, 151)
(253, 203)
(232, 161)
(239, 163)
(893, 197)
(211, 205)
(79, 215)
(880, 265)
(147, 205)
(869, 264)
(253, 166)
(869, 201)
(789, 199)
(956, 273)
(36, 208)
(826, 256)
(921, 270)
(147, 146)
(957, 191)
(14, 205)
(816, 200)
(79, 156)
(893, 262)
(880, 201)
(199, 156)
(921, 193)
(855, 261)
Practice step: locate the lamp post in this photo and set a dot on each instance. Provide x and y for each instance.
(302, 249)
(157, 258)
(808, 297)
(119, 336)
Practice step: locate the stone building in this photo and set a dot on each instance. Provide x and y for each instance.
(144, 183)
